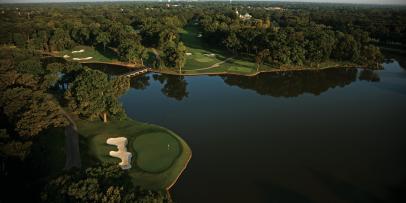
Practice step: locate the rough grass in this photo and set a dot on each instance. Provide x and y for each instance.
(153, 165)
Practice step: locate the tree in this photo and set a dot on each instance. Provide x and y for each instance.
(131, 49)
(103, 38)
(371, 56)
(31, 110)
(92, 94)
(232, 42)
(60, 40)
(105, 183)
(260, 57)
(19, 40)
(13, 148)
(175, 55)
(346, 48)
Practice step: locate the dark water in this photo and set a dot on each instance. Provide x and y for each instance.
(328, 136)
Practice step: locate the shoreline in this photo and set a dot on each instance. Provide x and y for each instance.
(276, 70)
(171, 72)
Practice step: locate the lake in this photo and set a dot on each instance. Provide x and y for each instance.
(336, 135)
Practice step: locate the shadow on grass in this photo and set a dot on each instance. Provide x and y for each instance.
(107, 52)
(88, 159)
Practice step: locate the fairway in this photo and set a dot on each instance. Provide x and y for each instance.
(158, 155)
(208, 60)
(153, 147)
(97, 54)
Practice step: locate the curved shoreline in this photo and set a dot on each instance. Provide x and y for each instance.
(276, 70)
(171, 72)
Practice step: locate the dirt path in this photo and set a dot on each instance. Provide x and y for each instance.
(214, 65)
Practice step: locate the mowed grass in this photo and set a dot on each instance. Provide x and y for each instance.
(154, 164)
(98, 54)
(200, 61)
(196, 46)
(155, 146)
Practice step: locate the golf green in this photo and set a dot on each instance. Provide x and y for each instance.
(155, 146)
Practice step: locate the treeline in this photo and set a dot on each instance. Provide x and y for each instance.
(35, 92)
(292, 34)
(125, 29)
(283, 41)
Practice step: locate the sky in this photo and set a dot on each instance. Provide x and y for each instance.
(402, 2)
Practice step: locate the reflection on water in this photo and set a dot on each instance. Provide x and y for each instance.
(173, 86)
(295, 83)
(335, 135)
(283, 84)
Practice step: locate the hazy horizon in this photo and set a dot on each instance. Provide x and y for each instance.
(380, 2)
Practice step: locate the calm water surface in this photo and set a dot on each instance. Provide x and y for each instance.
(327, 136)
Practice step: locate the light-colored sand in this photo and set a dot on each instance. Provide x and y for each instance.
(80, 51)
(66, 56)
(188, 54)
(122, 153)
(82, 59)
(210, 55)
(199, 35)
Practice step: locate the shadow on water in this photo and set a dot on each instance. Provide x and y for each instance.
(345, 190)
(283, 84)
(369, 75)
(173, 86)
(277, 194)
(140, 82)
(294, 83)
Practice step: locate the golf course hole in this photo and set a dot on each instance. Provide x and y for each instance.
(156, 151)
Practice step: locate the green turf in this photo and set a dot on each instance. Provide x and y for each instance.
(155, 146)
(196, 46)
(239, 69)
(98, 54)
(198, 62)
(153, 165)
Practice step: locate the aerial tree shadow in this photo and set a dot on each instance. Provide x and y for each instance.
(107, 52)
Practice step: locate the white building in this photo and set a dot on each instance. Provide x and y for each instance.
(247, 16)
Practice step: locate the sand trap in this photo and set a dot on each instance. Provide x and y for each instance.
(81, 59)
(210, 55)
(122, 152)
(66, 56)
(80, 51)
(199, 35)
(188, 54)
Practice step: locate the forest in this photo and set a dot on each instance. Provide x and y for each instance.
(298, 34)
(37, 90)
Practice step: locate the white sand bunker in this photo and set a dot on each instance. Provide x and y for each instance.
(66, 56)
(199, 35)
(188, 54)
(81, 59)
(80, 51)
(122, 152)
(210, 55)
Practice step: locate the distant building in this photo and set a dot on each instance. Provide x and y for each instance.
(274, 8)
(247, 16)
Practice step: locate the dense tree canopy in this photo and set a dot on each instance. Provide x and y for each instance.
(92, 94)
(107, 183)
